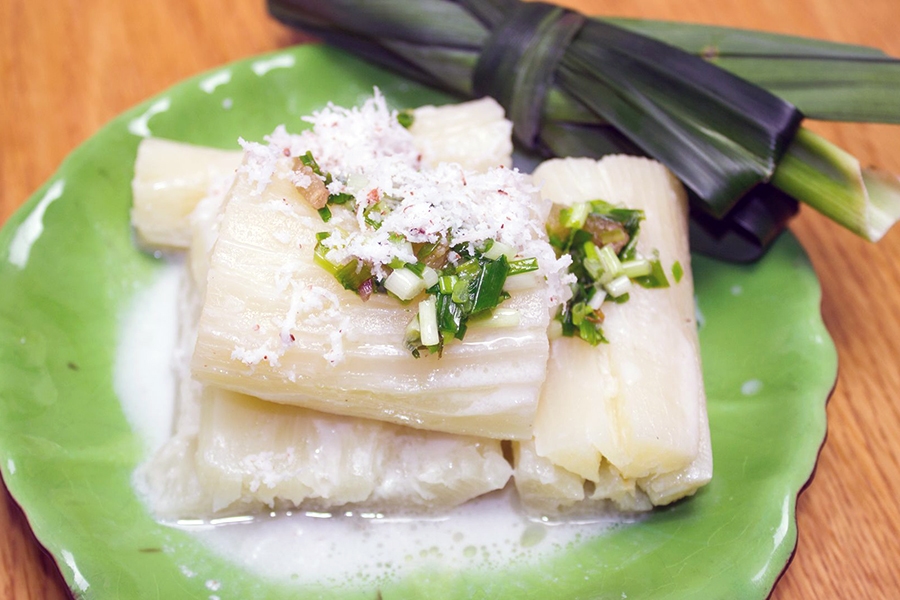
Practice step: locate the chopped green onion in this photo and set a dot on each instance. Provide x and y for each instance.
(446, 283)
(308, 160)
(498, 249)
(581, 319)
(320, 258)
(417, 268)
(451, 317)
(612, 266)
(597, 299)
(486, 290)
(592, 262)
(412, 336)
(460, 292)
(341, 198)
(639, 267)
(500, 317)
(350, 275)
(374, 215)
(580, 310)
(575, 216)
(677, 271)
(656, 278)
(522, 265)
(591, 333)
(397, 263)
(618, 287)
(471, 290)
(426, 250)
(406, 118)
(594, 267)
(429, 276)
(610, 236)
(468, 268)
(522, 281)
(404, 284)
(428, 326)
(353, 274)
(325, 213)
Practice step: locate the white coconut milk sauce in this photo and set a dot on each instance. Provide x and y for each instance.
(341, 548)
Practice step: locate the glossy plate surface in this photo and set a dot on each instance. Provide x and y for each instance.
(68, 267)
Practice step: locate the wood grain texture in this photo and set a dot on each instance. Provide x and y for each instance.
(68, 67)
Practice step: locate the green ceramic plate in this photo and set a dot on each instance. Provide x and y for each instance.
(68, 266)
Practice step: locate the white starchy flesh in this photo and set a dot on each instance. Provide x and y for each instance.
(233, 454)
(277, 326)
(254, 454)
(548, 489)
(665, 488)
(544, 487)
(204, 222)
(612, 488)
(170, 178)
(475, 134)
(631, 411)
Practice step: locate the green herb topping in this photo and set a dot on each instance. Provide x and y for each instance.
(406, 118)
(602, 242)
(470, 287)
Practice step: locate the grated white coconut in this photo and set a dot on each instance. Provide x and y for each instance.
(372, 157)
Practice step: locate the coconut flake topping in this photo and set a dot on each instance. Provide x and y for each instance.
(373, 158)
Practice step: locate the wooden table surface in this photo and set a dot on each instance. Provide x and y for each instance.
(68, 67)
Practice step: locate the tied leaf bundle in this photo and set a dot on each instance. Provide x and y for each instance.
(720, 107)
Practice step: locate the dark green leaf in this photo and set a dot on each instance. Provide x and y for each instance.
(486, 290)
(825, 80)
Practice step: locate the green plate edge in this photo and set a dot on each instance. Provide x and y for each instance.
(67, 452)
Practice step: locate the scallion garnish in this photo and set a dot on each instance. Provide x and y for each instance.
(677, 271)
(472, 290)
(495, 250)
(351, 275)
(618, 287)
(428, 324)
(342, 198)
(406, 118)
(429, 276)
(446, 284)
(454, 293)
(640, 267)
(404, 284)
(522, 265)
(486, 290)
(601, 239)
(308, 160)
(656, 278)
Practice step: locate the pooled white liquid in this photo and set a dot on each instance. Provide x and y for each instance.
(341, 549)
(143, 377)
